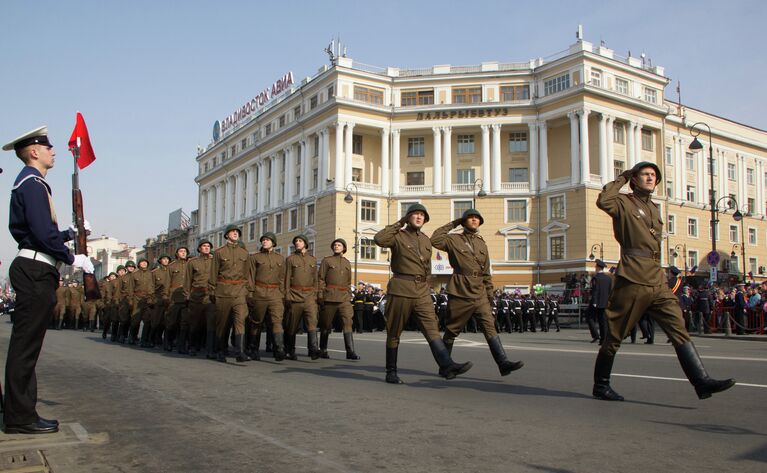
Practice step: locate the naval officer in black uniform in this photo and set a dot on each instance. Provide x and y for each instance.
(34, 277)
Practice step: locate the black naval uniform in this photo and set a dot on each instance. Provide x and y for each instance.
(601, 285)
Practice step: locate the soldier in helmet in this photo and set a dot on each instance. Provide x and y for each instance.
(108, 298)
(161, 277)
(142, 298)
(62, 301)
(175, 312)
(202, 311)
(267, 281)
(335, 279)
(301, 297)
(470, 290)
(126, 301)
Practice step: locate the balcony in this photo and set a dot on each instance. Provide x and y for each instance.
(515, 186)
(368, 186)
(415, 190)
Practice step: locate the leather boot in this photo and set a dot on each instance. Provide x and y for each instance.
(279, 346)
(324, 336)
(182, 336)
(255, 346)
(448, 344)
(349, 344)
(602, 369)
(448, 368)
(505, 366)
(167, 343)
(290, 347)
(696, 372)
(144, 343)
(59, 322)
(314, 351)
(210, 344)
(239, 343)
(106, 331)
(391, 366)
(92, 326)
(221, 347)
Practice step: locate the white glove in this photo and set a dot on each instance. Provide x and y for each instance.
(83, 262)
(73, 230)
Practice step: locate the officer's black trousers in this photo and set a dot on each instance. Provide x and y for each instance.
(35, 283)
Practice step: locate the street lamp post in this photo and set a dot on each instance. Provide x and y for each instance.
(598, 246)
(674, 254)
(738, 217)
(348, 199)
(696, 145)
(476, 194)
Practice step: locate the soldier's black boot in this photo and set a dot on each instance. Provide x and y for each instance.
(106, 331)
(239, 343)
(58, 323)
(92, 325)
(324, 336)
(255, 346)
(182, 340)
(447, 367)
(696, 372)
(311, 339)
(144, 343)
(391, 366)
(210, 344)
(602, 369)
(279, 346)
(505, 366)
(349, 344)
(290, 347)
(448, 344)
(221, 347)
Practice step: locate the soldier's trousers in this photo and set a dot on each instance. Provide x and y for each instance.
(89, 311)
(142, 312)
(398, 311)
(59, 311)
(275, 309)
(173, 317)
(158, 317)
(199, 316)
(329, 312)
(359, 314)
(297, 311)
(234, 306)
(629, 301)
(124, 315)
(461, 310)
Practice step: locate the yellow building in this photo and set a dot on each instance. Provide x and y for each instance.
(539, 138)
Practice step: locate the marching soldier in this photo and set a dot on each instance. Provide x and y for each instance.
(142, 297)
(367, 314)
(358, 301)
(470, 290)
(267, 279)
(89, 309)
(177, 309)
(301, 285)
(201, 311)
(117, 297)
(228, 283)
(540, 312)
(408, 292)
(601, 285)
(62, 301)
(76, 299)
(107, 297)
(528, 314)
(126, 300)
(335, 279)
(639, 285)
(553, 312)
(161, 277)
(516, 313)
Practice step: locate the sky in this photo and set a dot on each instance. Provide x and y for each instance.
(151, 77)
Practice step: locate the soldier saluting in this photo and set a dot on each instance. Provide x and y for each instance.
(639, 283)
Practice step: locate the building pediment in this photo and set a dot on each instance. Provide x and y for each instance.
(370, 230)
(555, 227)
(516, 229)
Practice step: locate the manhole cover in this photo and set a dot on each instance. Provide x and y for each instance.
(24, 461)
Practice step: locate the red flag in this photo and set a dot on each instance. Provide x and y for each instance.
(86, 150)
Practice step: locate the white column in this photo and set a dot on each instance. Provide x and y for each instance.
(290, 170)
(447, 152)
(583, 118)
(306, 167)
(638, 143)
(574, 166)
(211, 209)
(532, 138)
(385, 159)
(227, 200)
(339, 170)
(683, 169)
(220, 204)
(249, 191)
(495, 157)
(610, 140)
(437, 160)
(348, 154)
(486, 155)
(677, 168)
(202, 209)
(631, 146)
(759, 183)
(395, 161)
(741, 173)
(722, 163)
(322, 160)
(274, 197)
(237, 196)
(604, 168)
(702, 173)
(544, 154)
(262, 169)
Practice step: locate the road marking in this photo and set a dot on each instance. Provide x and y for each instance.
(663, 378)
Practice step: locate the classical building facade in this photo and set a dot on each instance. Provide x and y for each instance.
(539, 138)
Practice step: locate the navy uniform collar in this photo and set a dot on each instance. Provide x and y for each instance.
(28, 172)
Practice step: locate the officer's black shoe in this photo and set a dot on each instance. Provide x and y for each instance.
(92, 326)
(448, 368)
(182, 348)
(391, 366)
(279, 346)
(47, 421)
(290, 347)
(324, 336)
(314, 351)
(505, 366)
(605, 393)
(210, 344)
(603, 367)
(239, 341)
(349, 344)
(649, 342)
(696, 372)
(221, 357)
(33, 428)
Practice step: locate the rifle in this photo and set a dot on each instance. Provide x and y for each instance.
(90, 285)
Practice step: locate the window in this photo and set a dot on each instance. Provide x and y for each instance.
(752, 265)
(750, 176)
(282, 121)
(465, 176)
(518, 142)
(315, 177)
(557, 247)
(296, 112)
(368, 248)
(356, 144)
(556, 84)
(650, 95)
(243, 143)
(734, 264)
(752, 236)
(415, 178)
(619, 134)
(691, 193)
(369, 95)
(692, 258)
(730, 171)
(331, 92)
(711, 162)
(692, 227)
(618, 168)
(461, 206)
(671, 224)
(417, 97)
(368, 211)
(557, 207)
(516, 211)
(596, 78)
(293, 223)
(268, 129)
(689, 159)
(518, 175)
(465, 144)
(251, 231)
(310, 214)
(734, 234)
(356, 174)
(467, 95)
(509, 93)
(517, 249)
(278, 223)
(316, 147)
(669, 156)
(731, 202)
(264, 225)
(669, 188)
(647, 141)
(621, 86)
(313, 102)
(751, 206)
(403, 206)
(416, 147)
(310, 247)
(214, 165)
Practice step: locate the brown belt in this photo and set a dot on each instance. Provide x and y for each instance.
(231, 281)
(303, 288)
(199, 289)
(268, 286)
(643, 253)
(472, 274)
(139, 293)
(333, 286)
(410, 277)
(176, 286)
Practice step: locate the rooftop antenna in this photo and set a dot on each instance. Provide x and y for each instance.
(579, 33)
(330, 53)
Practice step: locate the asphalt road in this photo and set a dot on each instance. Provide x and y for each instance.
(125, 409)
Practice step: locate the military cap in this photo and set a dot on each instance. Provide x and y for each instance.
(340, 240)
(182, 248)
(674, 270)
(114, 274)
(119, 267)
(418, 208)
(645, 164)
(471, 212)
(600, 264)
(270, 236)
(202, 242)
(163, 256)
(143, 260)
(301, 237)
(130, 263)
(232, 227)
(38, 136)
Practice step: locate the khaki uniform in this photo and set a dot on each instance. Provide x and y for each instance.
(161, 277)
(471, 287)
(62, 301)
(228, 282)
(201, 311)
(334, 283)
(301, 286)
(267, 282)
(76, 299)
(125, 304)
(105, 319)
(408, 290)
(176, 313)
(142, 297)
(640, 287)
